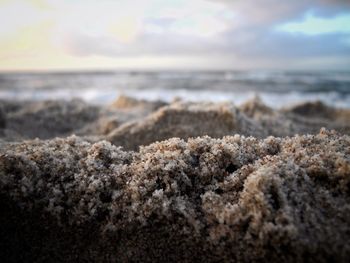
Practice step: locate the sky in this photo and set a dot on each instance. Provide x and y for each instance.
(174, 34)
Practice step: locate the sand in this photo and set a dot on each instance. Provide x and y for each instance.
(185, 120)
(131, 123)
(134, 193)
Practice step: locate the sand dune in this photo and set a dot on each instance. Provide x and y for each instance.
(131, 123)
(248, 197)
(185, 120)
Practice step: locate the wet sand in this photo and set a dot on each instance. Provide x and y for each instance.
(267, 185)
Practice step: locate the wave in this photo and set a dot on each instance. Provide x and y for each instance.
(276, 88)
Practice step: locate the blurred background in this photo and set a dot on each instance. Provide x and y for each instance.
(284, 51)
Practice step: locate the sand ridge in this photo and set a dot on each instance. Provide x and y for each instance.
(158, 182)
(238, 198)
(131, 123)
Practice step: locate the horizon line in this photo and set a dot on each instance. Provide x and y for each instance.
(154, 70)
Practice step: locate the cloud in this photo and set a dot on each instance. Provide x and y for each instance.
(178, 27)
(233, 32)
(230, 26)
(273, 11)
(257, 37)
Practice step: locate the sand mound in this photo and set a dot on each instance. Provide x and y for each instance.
(310, 115)
(320, 110)
(255, 108)
(131, 123)
(185, 120)
(304, 118)
(125, 102)
(273, 122)
(313, 109)
(213, 200)
(48, 119)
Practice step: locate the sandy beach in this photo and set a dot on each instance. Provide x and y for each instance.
(174, 182)
(174, 131)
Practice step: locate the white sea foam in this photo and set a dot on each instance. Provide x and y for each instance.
(277, 89)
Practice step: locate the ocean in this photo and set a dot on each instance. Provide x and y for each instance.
(276, 88)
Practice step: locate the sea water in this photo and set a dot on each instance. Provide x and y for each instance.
(275, 88)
